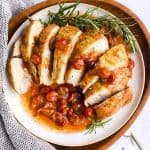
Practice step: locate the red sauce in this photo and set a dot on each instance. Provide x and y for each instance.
(59, 107)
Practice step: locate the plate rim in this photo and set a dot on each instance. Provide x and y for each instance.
(142, 93)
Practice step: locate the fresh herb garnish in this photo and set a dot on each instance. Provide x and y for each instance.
(133, 140)
(86, 21)
(95, 124)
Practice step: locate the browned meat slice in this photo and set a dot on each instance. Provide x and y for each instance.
(90, 47)
(101, 90)
(45, 44)
(16, 48)
(19, 75)
(113, 104)
(65, 42)
(28, 40)
(114, 58)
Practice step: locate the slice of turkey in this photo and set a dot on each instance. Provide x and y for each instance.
(32, 32)
(88, 80)
(46, 40)
(92, 44)
(114, 58)
(19, 75)
(113, 104)
(62, 53)
(16, 48)
(100, 91)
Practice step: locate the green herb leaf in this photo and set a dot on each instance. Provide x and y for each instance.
(86, 21)
(135, 140)
(95, 124)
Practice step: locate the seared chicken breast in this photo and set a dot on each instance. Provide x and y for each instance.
(100, 90)
(66, 40)
(114, 58)
(45, 43)
(19, 75)
(28, 40)
(90, 47)
(111, 105)
(16, 48)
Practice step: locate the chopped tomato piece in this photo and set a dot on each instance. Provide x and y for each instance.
(78, 108)
(74, 119)
(78, 63)
(49, 105)
(37, 101)
(36, 59)
(61, 42)
(74, 97)
(59, 118)
(71, 98)
(111, 78)
(45, 89)
(51, 96)
(63, 121)
(56, 115)
(131, 64)
(63, 102)
(85, 57)
(46, 112)
(88, 112)
(63, 110)
(63, 92)
(70, 112)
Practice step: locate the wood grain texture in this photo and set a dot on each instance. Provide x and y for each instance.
(143, 38)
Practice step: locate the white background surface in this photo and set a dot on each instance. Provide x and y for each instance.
(141, 127)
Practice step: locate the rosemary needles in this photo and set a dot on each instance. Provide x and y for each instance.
(95, 124)
(133, 140)
(68, 14)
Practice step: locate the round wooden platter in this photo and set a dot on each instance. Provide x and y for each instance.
(142, 36)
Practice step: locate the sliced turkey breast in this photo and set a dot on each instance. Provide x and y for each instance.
(89, 79)
(66, 40)
(45, 43)
(96, 93)
(16, 48)
(113, 59)
(111, 105)
(30, 34)
(100, 90)
(89, 48)
(19, 75)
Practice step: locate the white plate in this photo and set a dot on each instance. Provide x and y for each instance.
(75, 139)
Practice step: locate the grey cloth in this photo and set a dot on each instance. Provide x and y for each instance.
(12, 134)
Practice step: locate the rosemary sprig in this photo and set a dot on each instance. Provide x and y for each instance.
(95, 124)
(86, 21)
(133, 140)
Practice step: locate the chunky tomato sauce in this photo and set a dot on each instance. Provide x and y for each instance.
(60, 107)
